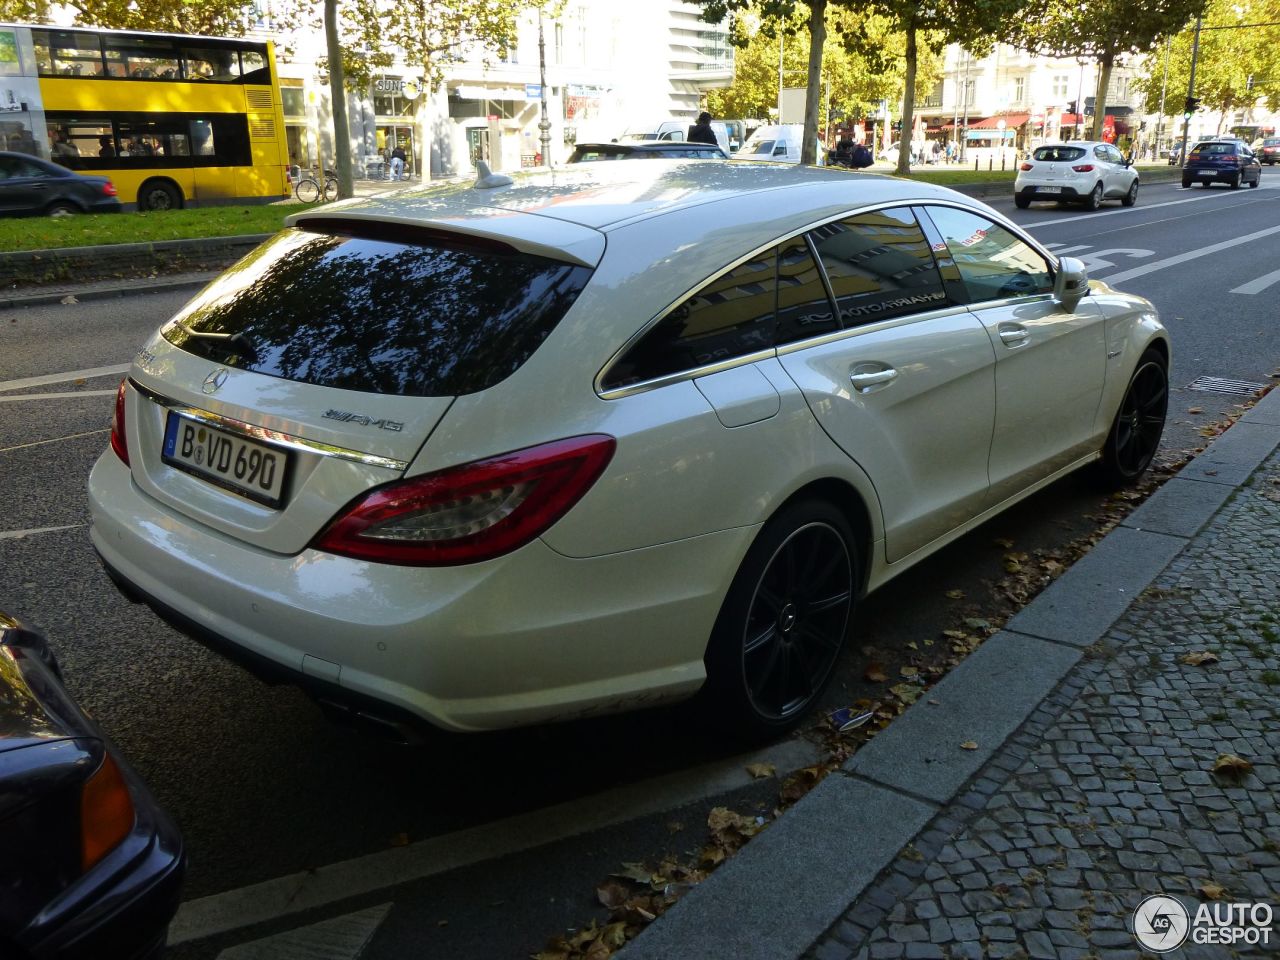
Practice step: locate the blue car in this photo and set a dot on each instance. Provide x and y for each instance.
(1222, 161)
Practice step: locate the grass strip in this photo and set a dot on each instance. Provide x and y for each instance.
(47, 233)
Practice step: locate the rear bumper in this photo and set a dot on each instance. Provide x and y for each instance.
(1055, 191)
(1211, 174)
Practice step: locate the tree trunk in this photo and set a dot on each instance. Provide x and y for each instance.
(813, 93)
(338, 94)
(908, 102)
(1106, 63)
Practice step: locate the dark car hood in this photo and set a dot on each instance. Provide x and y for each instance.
(33, 706)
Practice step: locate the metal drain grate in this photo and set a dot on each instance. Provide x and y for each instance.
(1239, 388)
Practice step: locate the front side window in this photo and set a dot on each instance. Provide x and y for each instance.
(219, 66)
(880, 266)
(253, 66)
(380, 309)
(993, 263)
(730, 317)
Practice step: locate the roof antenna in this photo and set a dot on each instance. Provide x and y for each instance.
(486, 179)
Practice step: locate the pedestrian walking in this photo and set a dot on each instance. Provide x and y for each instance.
(701, 131)
(397, 162)
(936, 152)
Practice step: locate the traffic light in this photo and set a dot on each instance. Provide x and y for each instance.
(1248, 84)
(1189, 105)
(1071, 107)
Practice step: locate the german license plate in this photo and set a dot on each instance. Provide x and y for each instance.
(236, 463)
(1207, 173)
(1048, 189)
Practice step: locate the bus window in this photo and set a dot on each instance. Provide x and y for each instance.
(221, 141)
(141, 58)
(67, 53)
(80, 137)
(222, 66)
(162, 136)
(253, 64)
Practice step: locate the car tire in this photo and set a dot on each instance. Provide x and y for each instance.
(159, 195)
(61, 208)
(783, 622)
(1094, 200)
(1256, 181)
(1131, 197)
(1021, 203)
(1135, 432)
(1186, 184)
(1234, 182)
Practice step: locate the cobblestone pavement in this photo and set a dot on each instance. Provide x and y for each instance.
(1106, 795)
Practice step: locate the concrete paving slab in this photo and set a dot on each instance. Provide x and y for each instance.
(1232, 457)
(789, 884)
(1180, 508)
(1081, 604)
(982, 701)
(1266, 410)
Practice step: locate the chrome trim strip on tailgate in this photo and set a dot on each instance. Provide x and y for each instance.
(269, 436)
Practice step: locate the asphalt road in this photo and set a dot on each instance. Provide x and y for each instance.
(264, 786)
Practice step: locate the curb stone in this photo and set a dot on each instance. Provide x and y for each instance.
(107, 291)
(787, 884)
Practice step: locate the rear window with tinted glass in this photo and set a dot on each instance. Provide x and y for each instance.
(392, 310)
(1058, 154)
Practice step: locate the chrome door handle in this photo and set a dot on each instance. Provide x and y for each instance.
(864, 381)
(1012, 336)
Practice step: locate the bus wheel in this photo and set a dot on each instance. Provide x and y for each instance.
(159, 195)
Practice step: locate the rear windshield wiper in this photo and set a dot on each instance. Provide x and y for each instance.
(238, 340)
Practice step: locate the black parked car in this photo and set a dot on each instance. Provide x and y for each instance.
(1221, 161)
(30, 186)
(90, 866)
(646, 150)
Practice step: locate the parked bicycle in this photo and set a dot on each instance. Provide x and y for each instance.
(310, 190)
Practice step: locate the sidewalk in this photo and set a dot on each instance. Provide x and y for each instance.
(1026, 804)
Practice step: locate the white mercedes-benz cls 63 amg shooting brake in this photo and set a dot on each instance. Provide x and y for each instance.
(479, 455)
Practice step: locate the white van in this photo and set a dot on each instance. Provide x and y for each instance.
(676, 130)
(778, 143)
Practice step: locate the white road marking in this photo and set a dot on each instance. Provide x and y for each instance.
(40, 443)
(1111, 213)
(341, 938)
(1257, 286)
(1173, 261)
(1097, 260)
(88, 374)
(19, 534)
(1062, 249)
(297, 892)
(58, 396)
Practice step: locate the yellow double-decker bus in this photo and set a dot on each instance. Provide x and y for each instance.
(173, 120)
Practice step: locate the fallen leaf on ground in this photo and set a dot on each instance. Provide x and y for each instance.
(1211, 891)
(633, 871)
(760, 771)
(955, 594)
(969, 745)
(1228, 764)
(906, 692)
(1198, 658)
(874, 673)
(1004, 543)
(1195, 409)
(612, 894)
(68, 299)
(909, 671)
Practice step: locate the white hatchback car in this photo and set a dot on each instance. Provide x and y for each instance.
(591, 441)
(1079, 171)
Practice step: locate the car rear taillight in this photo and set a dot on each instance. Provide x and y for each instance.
(1083, 168)
(1232, 160)
(1027, 166)
(119, 441)
(108, 189)
(106, 813)
(472, 512)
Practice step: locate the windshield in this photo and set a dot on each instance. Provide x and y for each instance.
(1058, 154)
(762, 148)
(395, 310)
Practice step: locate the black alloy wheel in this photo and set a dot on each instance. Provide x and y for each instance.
(1139, 423)
(61, 208)
(784, 621)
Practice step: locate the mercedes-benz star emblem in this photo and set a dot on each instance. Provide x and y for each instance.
(214, 381)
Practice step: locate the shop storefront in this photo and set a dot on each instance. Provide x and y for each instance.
(395, 105)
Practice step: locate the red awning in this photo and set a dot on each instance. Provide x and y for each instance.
(1067, 119)
(1011, 120)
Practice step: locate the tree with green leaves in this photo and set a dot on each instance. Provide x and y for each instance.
(1236, 67)
(216, 18)
(1102, 31)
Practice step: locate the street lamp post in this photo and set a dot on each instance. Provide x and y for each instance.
(1191, 92)
(544, 125)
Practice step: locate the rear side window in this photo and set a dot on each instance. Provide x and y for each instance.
(731, 316)
(391, 311)
(880, 266)
(993, 263)
(1058, 154)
